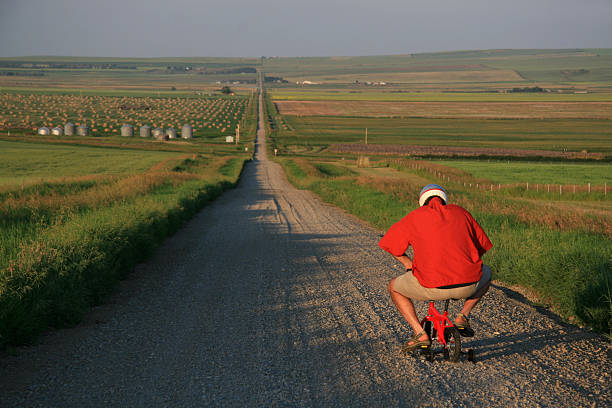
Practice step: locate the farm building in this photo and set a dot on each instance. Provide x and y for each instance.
(145, 131)
(82, 130)
(187, 131)
(69, 129)
(158, 133)
(57, 131)
(127, 130)
(43, 130)
(171, 133)
(229, 139)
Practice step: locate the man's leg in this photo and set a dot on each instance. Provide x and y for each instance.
(406, 309)
(480, 292)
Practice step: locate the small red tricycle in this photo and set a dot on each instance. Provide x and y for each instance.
(445, 332)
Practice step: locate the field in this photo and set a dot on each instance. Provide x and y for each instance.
(507, 172)
(23, 162)
(485, 110)
(320, 132)
(520, 138)
(104, 115)
(143, 76)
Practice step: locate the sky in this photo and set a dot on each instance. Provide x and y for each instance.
(245, 28)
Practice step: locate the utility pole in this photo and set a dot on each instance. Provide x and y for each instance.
(366, 136)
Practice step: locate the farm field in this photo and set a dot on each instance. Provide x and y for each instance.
(280, 95)
(497, 110)
(296, 133)
(104, 115)
(507, 172)
(565, 70)
(21, 162)
(145, 75)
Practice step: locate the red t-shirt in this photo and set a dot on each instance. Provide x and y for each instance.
(447, 244)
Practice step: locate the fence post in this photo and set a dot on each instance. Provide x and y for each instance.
(560, 188)
(589, 188)
(605, 189)
(527, 189)
(548, 188)
(537, 188)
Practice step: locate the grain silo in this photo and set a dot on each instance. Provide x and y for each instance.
(187, 131)
(127, 130)
(82, 130)
(43, 130)
(57, 131)
(171, 133)
(145, 131)
(158, 133)
(69, 129)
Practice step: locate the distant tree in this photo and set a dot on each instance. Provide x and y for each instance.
(226, 90)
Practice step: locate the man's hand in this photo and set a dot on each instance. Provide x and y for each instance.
(405, 260)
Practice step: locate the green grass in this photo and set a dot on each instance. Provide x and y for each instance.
(21, 162)
(507, 172)
(64, 244)
(74, 265)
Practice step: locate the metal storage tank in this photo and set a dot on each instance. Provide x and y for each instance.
(187, 131)
(82, 130)
(57, 131)
(43, 130)
(127, 130)
(158, 133)
(171, 133)
(145, 131)
(69, 129)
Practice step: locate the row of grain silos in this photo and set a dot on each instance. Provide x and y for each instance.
(158, 133)
(69, 130)
(126, 130)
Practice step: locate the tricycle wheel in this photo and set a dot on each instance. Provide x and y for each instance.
(452, 351)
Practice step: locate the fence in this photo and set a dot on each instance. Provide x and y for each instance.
(468, 181)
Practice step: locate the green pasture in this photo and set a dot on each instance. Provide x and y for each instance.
(21, 162)
(508, 172)
(547, 134)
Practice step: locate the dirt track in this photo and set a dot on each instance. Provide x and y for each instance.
(271, 298)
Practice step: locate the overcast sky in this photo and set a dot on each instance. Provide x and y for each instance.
(156, 28)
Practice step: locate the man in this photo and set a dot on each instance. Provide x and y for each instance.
(448, 245)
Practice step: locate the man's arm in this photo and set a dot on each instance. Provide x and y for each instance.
(404, 260)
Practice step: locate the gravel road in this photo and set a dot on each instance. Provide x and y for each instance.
(270, 297)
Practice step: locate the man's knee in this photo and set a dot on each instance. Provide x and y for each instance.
(390, 286)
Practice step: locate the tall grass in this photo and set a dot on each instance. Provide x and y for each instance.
(73, 259)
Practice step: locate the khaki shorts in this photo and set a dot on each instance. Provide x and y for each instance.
(407, 285)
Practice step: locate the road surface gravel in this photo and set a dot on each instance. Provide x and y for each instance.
(270, 297)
